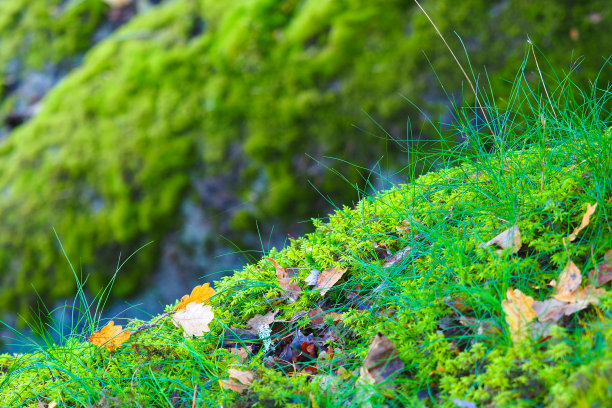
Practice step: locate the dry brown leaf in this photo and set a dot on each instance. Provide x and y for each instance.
(518, 308)
(586, 218)
(244, 377)
(568, 283)
(242, 352)
(199, 294)
(110, 336)
(604, 270)
(232, 385)
(553, 309)
(328, 278)
(194, 319)
(381, 361)
(258, 320)
(508, 239)
(284, 280)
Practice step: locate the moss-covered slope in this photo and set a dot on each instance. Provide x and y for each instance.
(244, 91)
(418, 270)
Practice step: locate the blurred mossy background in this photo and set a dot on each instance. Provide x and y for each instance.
(186, 122)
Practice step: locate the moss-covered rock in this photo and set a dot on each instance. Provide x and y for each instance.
(245, 90)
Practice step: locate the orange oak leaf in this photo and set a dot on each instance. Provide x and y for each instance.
(199, 294)
(568, 283)
(518, 308)
(284, 280)
(508, 239)
(586, 218)
(110, 336)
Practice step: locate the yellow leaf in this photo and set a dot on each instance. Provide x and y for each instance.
(586, 218)
(199, 294)
(518, 308)
(110, 336)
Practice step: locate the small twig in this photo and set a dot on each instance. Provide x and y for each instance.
(152, 324)
(195, 393)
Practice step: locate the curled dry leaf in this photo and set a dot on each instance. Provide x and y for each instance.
(311, 279)
(508, 239)
(284, 277)
(604, 270)
(553, 309)
(569, 281)
(518, 308)
(199, 294)
(586, 218)
(381, 361)
(110, 336)
(328, 278)
(257, 321)
(194, 319)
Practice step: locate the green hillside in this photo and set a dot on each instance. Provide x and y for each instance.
(484, 283)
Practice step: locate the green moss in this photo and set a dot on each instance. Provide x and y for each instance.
(453, 211)
(111, 155)
(35, 32)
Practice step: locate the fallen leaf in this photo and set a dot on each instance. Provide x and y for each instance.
(586, 218)
(569, 281)
(604, 270)
(317, 316)
(194, 319)
(381, 361)
(518, 308)
(553, 309)
(284, 280)
(244, 377)
(399, 256)
(311, 279)
(406, 226)
(232, 385)
(328, 278)
(257, 321)
(242, 352)
(199, 294)
(110, 336)
(508, 239)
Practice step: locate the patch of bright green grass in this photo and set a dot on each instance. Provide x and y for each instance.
(536, 170)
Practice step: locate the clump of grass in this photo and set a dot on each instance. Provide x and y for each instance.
(534, 164)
